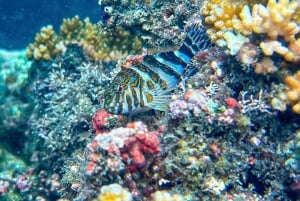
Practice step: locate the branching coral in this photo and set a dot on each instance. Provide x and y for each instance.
(45, 45)
(273, 19)
(98, 43)
(220, 15)
(276, 19)
(293, 91)
(296, 16)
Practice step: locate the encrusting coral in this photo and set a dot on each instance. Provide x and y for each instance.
(265, 66)
(97, 42)
(293, 91)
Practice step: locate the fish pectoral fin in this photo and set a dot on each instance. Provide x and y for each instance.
(160, 103)
(160, 99)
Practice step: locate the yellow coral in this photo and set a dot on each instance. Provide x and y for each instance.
(166, 196)
(275, 19)
(219, 15)
(294, 51)
(113, 44)
(293, 91)
(114, 192)
(265, 66)
(71, 29)
(45, 45)
(296, 16)
(98, 43)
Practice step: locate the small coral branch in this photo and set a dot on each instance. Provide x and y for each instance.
(293, 91)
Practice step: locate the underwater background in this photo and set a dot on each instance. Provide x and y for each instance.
(175, 100)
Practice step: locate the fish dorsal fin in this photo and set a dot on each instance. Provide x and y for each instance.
(195, 41)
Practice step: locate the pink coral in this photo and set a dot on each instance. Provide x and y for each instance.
(179, 108)
(231, 102)
(136, 146)
(130, 143)
(102, 120)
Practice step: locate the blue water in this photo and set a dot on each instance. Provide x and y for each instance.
(21, 20)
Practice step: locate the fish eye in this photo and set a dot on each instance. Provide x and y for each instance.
(120, 89)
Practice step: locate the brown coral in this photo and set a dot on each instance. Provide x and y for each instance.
(45, 46)
(265, 66)
(98, 43)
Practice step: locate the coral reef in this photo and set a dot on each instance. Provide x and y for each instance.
(220, 16)
(98, 43)
(159, 24)
(272, 20)
(15, 99)
(45, 46)
(166, 196)
(114, 192)
(293, 91)
(104, 121)
(229, 133)
(131, 143)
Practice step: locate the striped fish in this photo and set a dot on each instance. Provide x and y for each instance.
(148, 82)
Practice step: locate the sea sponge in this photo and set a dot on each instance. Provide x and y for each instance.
(293, 91)
(113, 192)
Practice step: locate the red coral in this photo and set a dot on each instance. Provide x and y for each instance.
(137, 146)
(103, 120)
(231, 102)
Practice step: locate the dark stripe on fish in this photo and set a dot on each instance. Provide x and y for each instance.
(151, 62)
(171, 60)
(129, 101)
